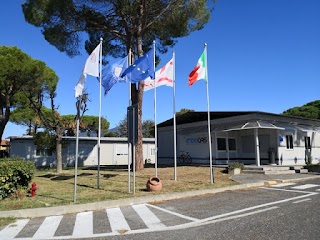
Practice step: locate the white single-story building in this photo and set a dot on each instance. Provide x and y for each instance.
(114, 151)
(247, 137)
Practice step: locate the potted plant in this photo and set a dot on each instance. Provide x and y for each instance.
(235, 168)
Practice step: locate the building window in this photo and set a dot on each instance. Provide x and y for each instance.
(307, 142)
(289, 139)
(221, 142)
(232, 144)
(43, 152)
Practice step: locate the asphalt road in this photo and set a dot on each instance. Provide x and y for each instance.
(284, 211)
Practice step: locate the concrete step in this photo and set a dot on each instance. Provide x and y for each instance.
(301, 170)
(280, 172)
(276, 168)
(252, 168)
(253, 171)
(296, 167)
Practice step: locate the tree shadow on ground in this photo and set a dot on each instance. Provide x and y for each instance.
(107, 176)
(61, 178)
(48, 175)
(224, 170)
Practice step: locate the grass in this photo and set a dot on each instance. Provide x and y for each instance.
(58, 189)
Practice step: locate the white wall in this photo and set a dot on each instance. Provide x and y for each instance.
(112, 153)
(298, 154)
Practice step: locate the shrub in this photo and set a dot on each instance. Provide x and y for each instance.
(234, 165)
(15, 174)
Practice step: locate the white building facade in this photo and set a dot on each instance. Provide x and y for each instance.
(114, 151)
(249, 137)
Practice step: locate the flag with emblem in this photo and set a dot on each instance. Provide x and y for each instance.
(111, 74)
(91, 67)
(163, 77)
(141, 69)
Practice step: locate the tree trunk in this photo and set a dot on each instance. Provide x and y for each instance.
(139, 144)
(59, 150)
(4, 117)
(138, 95)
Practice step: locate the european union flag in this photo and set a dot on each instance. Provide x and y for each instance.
(111, 74)
(142, 68)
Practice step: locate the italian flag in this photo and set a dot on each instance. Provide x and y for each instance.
(199, 72)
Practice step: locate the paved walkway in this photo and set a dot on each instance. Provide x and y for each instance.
(245, 180)
(256, 178)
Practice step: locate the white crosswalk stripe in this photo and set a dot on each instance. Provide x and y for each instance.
(13, 229)
(138, 217)
(148, 217)
(48, 228)
(305, 186)
(283, 185)
(83, 225)
(117, 220)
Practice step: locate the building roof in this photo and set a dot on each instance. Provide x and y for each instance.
(191, 117)
(4, 143)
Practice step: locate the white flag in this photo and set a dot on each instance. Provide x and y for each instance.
(91, 67)
(92, 63)
(163, 77)
(80, 86)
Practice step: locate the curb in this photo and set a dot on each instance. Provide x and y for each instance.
(76, 208)
(60, 210)
(272, 182)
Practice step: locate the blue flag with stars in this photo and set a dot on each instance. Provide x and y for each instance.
(142, 68)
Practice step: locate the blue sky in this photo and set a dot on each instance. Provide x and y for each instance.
(262, 56)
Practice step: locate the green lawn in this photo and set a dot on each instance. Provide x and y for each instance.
(58, 189)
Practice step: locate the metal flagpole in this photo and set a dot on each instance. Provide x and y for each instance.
(129, 144)
(209, 130)
(174, 118)
(77, 152)
(134, 151)
(99, 129)
(155, 114)
(155, 118)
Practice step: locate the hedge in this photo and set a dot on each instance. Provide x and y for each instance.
(15, 173)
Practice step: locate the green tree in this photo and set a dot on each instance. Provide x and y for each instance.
(124, 25)
(26, 117)
(308, 110)
(23, 81)
(183, 111)
(122, 127)
(148, 128)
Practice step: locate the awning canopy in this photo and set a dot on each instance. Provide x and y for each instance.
(250, 125)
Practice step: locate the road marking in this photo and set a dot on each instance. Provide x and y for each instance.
(289, 190)
(83, 225)
(148, 217)
(305, 186)
(48, 228)
(173, 213)
(194, 224)
(303, 200)
(258, 206)
(13, 229)
(117, 220)
(284, 184)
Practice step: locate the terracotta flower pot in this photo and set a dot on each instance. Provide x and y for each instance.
(154, 184)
